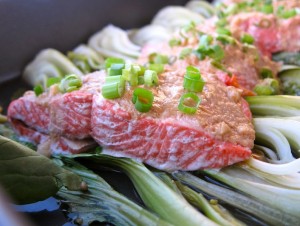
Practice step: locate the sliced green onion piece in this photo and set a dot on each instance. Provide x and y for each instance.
(156, 58)
(38, 90)
(247, 38)
(174, 42)
(52, 80)
(142, 99)
(184, 106)
(267, 8)
(185, 52)
(150, 78)
(111, 60)
(138, 69)
(193, 85)
(218, 53)
(70, 83)
(286, 14)
(113, 87)
(115, 69)
(225, 39)
(205, 40)
(266, 73)
(193, 72)
(159, 68)
(223, 31)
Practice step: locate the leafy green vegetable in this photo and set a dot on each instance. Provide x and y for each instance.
(101, 202)
(28, 176)
(249, 204)
(157, 196)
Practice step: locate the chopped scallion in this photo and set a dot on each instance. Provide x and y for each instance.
(267, 8)
(111, 60)
(142, 99)
(159, 68)
(113, 87)
(247, 38)
(223, 31)
(150, 78)
(38, 90)
(266, 73)
(189, 103)
(174, 42)
(225, 39)
(115, 69)
(156, 58)
(52, 80)
(185, 52)
(70, 83)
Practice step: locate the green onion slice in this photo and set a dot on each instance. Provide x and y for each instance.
(142, 99)
(185, 52)
(225, 39)
(267, 8)
(114, 87)
(156, 58)
(70, 83)
(150, 78)
(266, 73)
(111, 60)
(248, 39)
(115, 69)
(174, 42)
(159, 68)
(52, 80)
(223, 31)
(189, 103)
(38, 90)
(192, 80)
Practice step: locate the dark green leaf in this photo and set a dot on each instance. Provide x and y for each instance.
(28, 176)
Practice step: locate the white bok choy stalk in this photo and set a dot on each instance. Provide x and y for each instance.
(270, 137)
(100, 202)
(249, 204)
(212, 209)
(86, 59)
(289, 128)
(284, 199)
(157, 196)
(174, 17)
(276, 105)
(48, 63)
(152, 33)
(112, 41)
(201, 7)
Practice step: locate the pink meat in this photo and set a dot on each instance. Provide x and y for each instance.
(219, 134)
(60, 122)
(271, 33)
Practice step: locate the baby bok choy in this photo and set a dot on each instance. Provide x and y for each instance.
(100, 202)
(157, 196)
(47, 64)
(249, 204)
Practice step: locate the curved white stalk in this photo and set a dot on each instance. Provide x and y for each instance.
(151, 33)
(94, 59)
(275, 138)
(203, 8)
(270, 154)
(277, 169)
(289, 128)
(112, 41)
(48, 63)
(174, 17)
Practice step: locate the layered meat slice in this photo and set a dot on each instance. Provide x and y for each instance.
(54, 121)
(220, 133)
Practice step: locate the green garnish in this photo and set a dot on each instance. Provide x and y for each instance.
(156, 58)
(52, 80)
(159, 68)
(116, 69)
(70, 83)
(185, 52)
(174, 42)
(189, 103)
(38, 90)
(112, 60)
(192, 80)
(114, 87)
(266, 73)
(247, 38)
(142, 99)
(150, 78)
